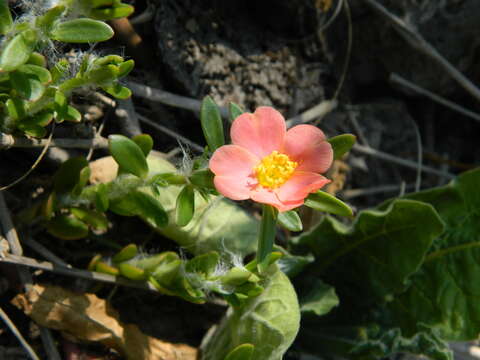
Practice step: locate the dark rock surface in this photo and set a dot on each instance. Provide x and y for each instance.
(251, 53)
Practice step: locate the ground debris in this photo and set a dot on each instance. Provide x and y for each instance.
(86, 317)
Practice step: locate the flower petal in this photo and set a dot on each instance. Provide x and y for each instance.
(233, 187)
(261, 132)
(265, 196)
(300, 185)
(233, 160)
(306, 145)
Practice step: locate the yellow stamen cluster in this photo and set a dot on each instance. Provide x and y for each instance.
(274, 170)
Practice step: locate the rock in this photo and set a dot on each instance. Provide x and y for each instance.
(251, 53)
(451, 26)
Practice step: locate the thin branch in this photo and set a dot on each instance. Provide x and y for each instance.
(84, 274)
(35, 164)
(397, 79)
(414, 38)
(353, 193)
(8, 141)
(42, 250)
(317, 112)
(168, 98)
(171, 133)
(18, 335)
(397, 160)
(16, 248)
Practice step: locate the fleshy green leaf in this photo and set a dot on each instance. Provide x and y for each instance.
(204, 264)
(444, 292)
(374, 258)
(125, 67)
(202, 178)
(323, 201)
(234, 111)
(145, 142)
(342, 144)
(149, 208)
(101, 198)
(67, 227)
(241, 352)
(290, 220)
(95, 219)
(6, 21)
(83, 178)
(131, 272)
(212, 125)
(114, 12)
(38, 60)
(269, 322)
(68, 176)
(18, 50)
(185, 206)
(15, 108)
(128, 155)
(320, 299)
(118, 91)
(81, 30)
(127, 253)
(29, 86)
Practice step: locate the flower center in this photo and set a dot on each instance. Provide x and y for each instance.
(274, 170)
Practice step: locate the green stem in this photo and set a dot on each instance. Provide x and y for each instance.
(266, 236)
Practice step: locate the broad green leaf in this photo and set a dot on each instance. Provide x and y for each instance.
(32, 130)
(445, 292)
(127, 253)
(145, 142)
(234, 111)
(290, 264)
(323, 201)
(290, 220)
(185, 206)
(69, 174)
(383, 343)
(67, 227)
(42, 74)
(18, 50)
(81, 30)
(241, 352)
(269, 322)
(371, 342)
(319, 300)
(6, 21)
(128, 155)
(212, 124)
(94, 219)
(342, 144)
(373, 259)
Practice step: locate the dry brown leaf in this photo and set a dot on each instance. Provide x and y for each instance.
(88, 318)
(338, 174)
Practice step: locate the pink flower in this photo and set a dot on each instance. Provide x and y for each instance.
(270, 165)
